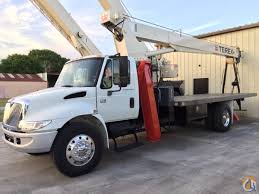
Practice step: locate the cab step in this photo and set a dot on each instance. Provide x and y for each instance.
(128, 146)
(121, 129)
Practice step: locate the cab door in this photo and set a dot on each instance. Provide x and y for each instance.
(113, 102)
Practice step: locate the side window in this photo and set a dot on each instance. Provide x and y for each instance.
(107, 76)
(116, 72)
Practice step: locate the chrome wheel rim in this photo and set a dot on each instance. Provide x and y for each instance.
(80, 150)
(226, 118)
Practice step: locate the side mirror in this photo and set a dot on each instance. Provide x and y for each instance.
(124, 71)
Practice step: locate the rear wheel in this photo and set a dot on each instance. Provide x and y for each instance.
(222, 118)
(77, 149)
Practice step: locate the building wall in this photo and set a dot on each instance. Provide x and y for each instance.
(9, 89)
(210, 66)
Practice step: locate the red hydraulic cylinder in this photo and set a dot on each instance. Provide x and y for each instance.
(148, 102)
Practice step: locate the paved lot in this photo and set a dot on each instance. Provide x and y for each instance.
(187, 160)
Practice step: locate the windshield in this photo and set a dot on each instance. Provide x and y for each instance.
(81, 73)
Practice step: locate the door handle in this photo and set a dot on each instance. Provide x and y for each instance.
(132, 103)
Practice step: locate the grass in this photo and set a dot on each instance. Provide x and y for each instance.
(3, 102)
(1, 116)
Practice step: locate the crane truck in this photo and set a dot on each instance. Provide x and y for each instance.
(97, 98)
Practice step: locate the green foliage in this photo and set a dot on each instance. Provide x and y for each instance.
(1, 116)
(48, 60)
(3, 102)
(37, 61)
(19, 64)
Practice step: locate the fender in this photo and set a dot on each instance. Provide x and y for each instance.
(100, 118)
(63, 113)
(97, 121)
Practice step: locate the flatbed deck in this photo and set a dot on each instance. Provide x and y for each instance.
(198, 99)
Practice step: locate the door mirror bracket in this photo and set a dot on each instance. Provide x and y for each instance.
(109, 93)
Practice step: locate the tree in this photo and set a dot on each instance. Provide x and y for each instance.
(48, 60)
(19, 64)
(37, 61)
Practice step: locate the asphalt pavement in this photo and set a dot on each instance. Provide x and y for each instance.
(186, 160)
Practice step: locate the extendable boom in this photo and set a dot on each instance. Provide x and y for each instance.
(181, 42)
(125, 28)
(67, 26)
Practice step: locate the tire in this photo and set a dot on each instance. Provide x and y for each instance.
(222, 118)
(72, 163)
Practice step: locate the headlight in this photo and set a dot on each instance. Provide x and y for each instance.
(29, 126)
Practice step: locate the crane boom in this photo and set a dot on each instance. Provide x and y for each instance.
(67, 26)
(125, 29)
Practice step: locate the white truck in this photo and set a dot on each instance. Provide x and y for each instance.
(97, 98)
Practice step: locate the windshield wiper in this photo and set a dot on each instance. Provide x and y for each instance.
(67, 86)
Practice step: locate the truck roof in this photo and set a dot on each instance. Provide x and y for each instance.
(87, 57)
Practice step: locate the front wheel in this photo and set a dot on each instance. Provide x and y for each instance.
(78, 149)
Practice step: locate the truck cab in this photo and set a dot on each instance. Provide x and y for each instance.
(72, 118)
(100, 77)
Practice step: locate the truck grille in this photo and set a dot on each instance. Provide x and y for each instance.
(13, 115)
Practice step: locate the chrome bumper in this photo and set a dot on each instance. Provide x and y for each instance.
(29, 142)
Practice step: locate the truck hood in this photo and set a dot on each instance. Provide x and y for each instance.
(55, 94)
(46, 100)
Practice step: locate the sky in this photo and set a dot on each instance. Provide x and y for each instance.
(22, 26)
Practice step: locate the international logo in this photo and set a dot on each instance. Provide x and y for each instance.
(249, 183)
